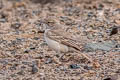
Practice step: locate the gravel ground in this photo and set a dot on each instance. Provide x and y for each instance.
(24, 55)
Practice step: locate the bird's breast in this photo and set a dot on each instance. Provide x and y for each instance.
(56, 45)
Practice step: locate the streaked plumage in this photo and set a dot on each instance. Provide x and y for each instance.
(60, 41)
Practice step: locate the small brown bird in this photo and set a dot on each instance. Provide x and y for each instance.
(59, 40)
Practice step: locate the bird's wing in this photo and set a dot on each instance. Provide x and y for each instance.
(64, 38)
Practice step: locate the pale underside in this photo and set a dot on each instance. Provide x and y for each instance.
(64, 38)
(61, 41)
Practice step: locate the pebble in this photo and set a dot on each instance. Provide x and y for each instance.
(49, 60)
(32, 48)
(34, 69)
(114, 31)
(87, 67)
(3, 20)
(16, 25)
(26, 51)
(36, 38)
(21, 72)
(74, 66)
(105, 46)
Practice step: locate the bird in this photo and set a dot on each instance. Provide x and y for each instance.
(61, 41)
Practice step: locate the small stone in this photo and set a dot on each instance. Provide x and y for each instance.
(21, 72)
(34, 69)
(3, 17)
(87, 67)
(16, 25)
(48, 61)
(3, 20)
(117, 46)
(25, 63)
(114, 31)
(90, 14)
(36, 38)
(32, 48)
(105, 46)
(107, 79)
(74, 66)
(26, 51)
(13, 67)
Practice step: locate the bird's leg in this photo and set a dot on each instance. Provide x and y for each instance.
(57, 57)
(87, 57)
